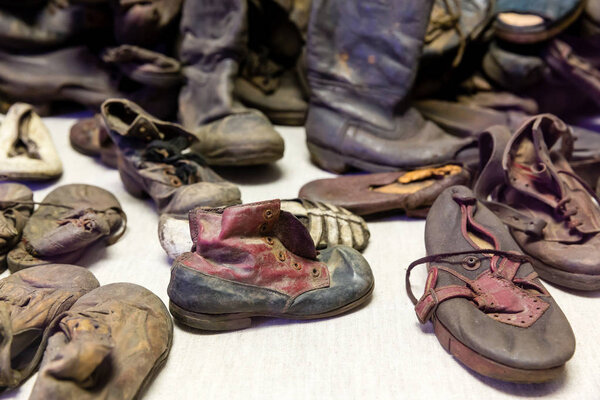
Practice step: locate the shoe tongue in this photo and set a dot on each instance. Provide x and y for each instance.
(294, 236)
(267, 219)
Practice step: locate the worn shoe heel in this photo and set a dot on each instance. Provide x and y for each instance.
(132, 187)
(327, 159)
(210, 322)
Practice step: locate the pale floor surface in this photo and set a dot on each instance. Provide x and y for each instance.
(377, 352)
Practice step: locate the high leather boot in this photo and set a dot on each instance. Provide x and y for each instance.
(362, 59)
(214, 40)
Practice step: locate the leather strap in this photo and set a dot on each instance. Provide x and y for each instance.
(492, 145)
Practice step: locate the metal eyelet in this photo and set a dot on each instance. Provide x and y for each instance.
(263, 227)
(175, 181)
(268, 214)
(316, 272)
(269, 241)
(297, 266)
(471, 263)
(281, 256)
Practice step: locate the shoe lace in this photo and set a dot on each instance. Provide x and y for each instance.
(472, 260)
(169, 152)
(569, 213)
(443, 19)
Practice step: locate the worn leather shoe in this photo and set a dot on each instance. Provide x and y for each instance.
(258, 260)
(488, 308)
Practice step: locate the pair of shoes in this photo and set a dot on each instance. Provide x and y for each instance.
(483, 295)
(259, 260)
(82, 333)
(67, 222)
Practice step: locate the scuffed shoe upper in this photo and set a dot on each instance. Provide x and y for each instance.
(29, 302)
(258, 258)
(109, 344)
(457, 222)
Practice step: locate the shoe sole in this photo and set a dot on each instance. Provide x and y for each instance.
(287, 118)
(240, 160)
(330, 160)
(488, 367)
(536, 37)
(235, 321)
(569, 280)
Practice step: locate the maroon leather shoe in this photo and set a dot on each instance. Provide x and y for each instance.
(552, 214)
(258, 260)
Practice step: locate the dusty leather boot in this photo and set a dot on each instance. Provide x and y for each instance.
(110, 344)
(26, 148)
(68, 221)
(486, 303)
(258, 260)
(214, 40)
(16, 205)
(30, 300)
(551, 213)
(151, 161)
(362, 60)
(327, 224)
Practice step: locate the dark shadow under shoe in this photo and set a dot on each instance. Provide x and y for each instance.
(109, 344)
(30, 300)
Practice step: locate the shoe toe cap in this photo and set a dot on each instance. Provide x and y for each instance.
(351, 280)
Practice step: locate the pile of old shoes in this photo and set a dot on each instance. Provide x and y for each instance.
(26, 148)
(67, 222)
(258, 260)
(83, 331)
(152, 161)
(328, 225)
